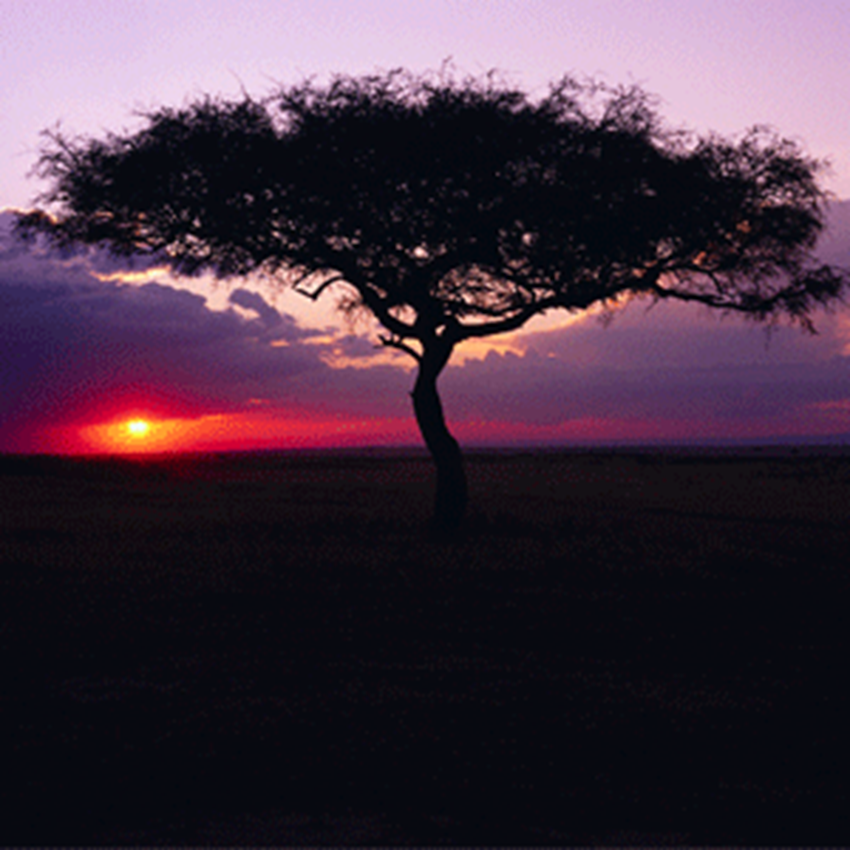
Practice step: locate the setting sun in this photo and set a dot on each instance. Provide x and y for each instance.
(138, 428)
(135, 434)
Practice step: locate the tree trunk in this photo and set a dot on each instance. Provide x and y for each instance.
(451, 497)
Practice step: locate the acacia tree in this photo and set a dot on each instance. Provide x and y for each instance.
(451, 210)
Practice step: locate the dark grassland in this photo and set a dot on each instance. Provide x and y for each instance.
(626, 648)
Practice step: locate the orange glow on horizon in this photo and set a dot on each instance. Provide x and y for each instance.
(278, 429)
(242, 430)
(262, 426)
(136, 435)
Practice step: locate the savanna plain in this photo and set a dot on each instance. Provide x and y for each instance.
(625, 647)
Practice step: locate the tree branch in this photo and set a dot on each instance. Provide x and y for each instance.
(316, 293)
(396, 342)
(511, 323)
(380, 308)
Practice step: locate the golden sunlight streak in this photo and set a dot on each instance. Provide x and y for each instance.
(134, 278)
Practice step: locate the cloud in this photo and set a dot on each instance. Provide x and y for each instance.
(267, 315)
(834, 244)
(704, 378)
(698, 371)
(73, 346)
(78, 344)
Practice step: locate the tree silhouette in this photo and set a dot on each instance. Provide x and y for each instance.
(452, 209)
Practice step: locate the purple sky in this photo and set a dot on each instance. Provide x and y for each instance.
(716, 64)
(75, 347)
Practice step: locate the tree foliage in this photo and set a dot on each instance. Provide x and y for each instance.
(453, 209)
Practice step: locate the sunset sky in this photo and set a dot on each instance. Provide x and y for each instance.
(88, 346)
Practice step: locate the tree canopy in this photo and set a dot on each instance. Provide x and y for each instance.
(452, 209)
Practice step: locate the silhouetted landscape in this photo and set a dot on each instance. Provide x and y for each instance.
(625, 647)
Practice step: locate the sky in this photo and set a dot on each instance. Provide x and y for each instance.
(86, 345)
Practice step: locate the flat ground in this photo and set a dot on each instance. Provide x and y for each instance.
(268, 649)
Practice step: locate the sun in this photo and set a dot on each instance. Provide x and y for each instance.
(138, 428)
(135, 433)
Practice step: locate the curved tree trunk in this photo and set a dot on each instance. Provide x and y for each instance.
(451, 497)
